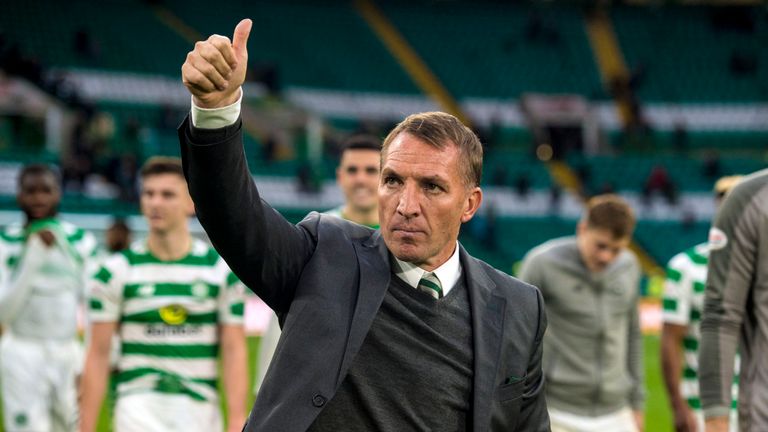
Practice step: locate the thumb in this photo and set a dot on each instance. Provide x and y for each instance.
(240, 38)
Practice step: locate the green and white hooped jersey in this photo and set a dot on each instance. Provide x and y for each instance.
(683, 304)
(12, 239)
(168, 314)
(41, 285)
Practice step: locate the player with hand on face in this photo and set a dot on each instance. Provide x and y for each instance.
(44, 265)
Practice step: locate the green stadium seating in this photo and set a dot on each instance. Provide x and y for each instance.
(630, 172)
(686, 60)
(126, 34)
(663, 239)
(510, 165)
(663, 142)
(483, 51)
(313, 44)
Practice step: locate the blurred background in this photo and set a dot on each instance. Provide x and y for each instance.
(653, 100)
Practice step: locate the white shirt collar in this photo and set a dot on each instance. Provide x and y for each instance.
(448, 273)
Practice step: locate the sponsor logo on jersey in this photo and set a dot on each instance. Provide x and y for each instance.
(173, 314)
(172, 330)
(717, 239)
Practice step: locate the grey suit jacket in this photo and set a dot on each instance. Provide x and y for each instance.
(326, 278)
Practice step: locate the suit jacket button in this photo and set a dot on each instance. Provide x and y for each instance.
(318, 400)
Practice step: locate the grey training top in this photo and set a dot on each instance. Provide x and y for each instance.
(736, 306)
(593, 359)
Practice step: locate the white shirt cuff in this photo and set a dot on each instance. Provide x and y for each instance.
(216, 118)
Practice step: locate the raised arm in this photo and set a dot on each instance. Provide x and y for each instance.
(265, 251)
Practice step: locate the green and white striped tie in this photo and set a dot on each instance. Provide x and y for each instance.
(430, 284)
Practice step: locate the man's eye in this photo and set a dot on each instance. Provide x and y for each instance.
(390, 180)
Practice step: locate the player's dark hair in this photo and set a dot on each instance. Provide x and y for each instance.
(610, 212)
(440, 130)
(361, 142)
(157, 165)
(37, 169)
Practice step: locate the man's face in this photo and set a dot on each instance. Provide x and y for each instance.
(358, 178)
(165, 202)
(598, 247)
(39, 196)
(423, 201)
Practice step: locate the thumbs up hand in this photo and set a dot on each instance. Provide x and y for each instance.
(214, 71)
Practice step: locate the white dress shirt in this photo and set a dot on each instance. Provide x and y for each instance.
(215, 118)
(448, 273)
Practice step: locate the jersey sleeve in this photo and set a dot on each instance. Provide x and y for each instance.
(5, 270)
(231, 299)
(678, 292)
(106, 290)
(88, 249)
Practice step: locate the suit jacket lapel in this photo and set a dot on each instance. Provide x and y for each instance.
(373, 262)
(487, 330)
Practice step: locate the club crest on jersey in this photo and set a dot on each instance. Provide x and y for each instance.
(200, 289)
(717, 239)
(173, 314)
(146, 290)
(21, 419)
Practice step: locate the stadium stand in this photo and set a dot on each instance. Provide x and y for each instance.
(311, 44)
(691, 54)
(663, 239)
(632, 172)
(480, 51)
(502, 49)
(77, 35)
(741, 140)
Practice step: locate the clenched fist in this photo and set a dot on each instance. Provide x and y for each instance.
(215, 69)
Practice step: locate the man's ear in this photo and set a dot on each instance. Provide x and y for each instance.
(474, 200)
(581, 227)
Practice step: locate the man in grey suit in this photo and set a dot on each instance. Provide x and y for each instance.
(396, 329)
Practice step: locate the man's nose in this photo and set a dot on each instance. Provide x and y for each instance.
(606, 257)
(154, 200)
(408, 204)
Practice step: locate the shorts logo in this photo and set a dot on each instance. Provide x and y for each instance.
(21, 419)
(173, 314)
(717, 239)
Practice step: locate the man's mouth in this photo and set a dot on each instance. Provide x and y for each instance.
(406, 230)
(362, 191)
